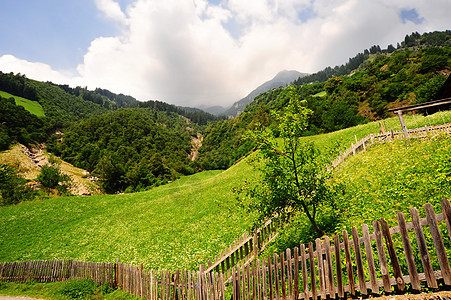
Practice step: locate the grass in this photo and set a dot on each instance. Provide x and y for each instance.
(33, 107)
(176, 226)
(347, 136)
(53, 291)
(394, 177)
(320, 94)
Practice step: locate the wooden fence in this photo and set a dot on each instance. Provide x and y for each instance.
(58, 270)
(244, 250)
(389, 136)
(207, 283)
(164, 285)
(330, 271)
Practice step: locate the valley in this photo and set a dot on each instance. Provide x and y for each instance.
(158, 185)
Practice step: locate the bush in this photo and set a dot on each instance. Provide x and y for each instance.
(78, 289)
(51, 177)
(13, 188)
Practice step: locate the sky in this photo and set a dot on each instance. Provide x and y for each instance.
(198, 52)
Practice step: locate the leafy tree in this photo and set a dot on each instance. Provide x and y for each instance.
(18, 125)
(13, 188)
(294, 178)
(51, 177)
(429, 90)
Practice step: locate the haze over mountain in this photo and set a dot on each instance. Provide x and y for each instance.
(282, 79)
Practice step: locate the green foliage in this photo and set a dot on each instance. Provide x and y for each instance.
(51, 177)
(293, 178)
(32, 106)
(129, 148)
(430, 88)
(52, 291)
(78, 288)
(13, 188)
(17, 85)
(18, 125)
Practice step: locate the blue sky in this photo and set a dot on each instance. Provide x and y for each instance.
(198, 52)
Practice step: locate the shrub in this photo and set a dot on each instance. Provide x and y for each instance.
(78, 289)
(51, 177)
(13, 188)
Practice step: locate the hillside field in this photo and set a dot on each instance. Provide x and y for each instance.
(32, 106)
(176, 226)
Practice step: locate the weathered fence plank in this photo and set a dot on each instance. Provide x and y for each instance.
(413, 273)
(438, 243)
(401, 285)
(382, 258)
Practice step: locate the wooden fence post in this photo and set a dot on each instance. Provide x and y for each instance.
(393, 257)
(413, 273)
(255, 243)
(438, 243)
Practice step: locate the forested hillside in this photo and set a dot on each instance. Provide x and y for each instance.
(360, 91)
(130, 145)
(131, 149)
(18, 125)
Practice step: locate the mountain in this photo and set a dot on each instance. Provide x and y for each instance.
(214, 110)
(281, 79)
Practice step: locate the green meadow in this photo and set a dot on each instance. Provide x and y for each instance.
(176, 226)
(34, 107)
(343, 138)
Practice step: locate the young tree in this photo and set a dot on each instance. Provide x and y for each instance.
(293, 173)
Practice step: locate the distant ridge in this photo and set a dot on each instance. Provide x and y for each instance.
(280, 80)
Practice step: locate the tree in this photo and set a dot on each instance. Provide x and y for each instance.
(293, 173)
(13, 188)
(51, 176)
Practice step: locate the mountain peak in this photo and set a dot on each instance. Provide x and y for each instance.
(280, 80)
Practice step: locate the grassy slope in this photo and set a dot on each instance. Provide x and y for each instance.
(180, 225)
(394, 177)
(32, 106)
(347, 136)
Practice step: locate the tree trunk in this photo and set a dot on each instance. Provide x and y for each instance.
(311, 219)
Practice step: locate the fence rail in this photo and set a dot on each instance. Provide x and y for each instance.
(57, 270)
(164, 285)
(330, 271)
(244, 250)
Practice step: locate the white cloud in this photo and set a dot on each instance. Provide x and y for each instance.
(187, 52)
(34, 70)
(112, 10)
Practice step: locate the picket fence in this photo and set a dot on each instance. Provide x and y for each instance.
(330, 271)
(58, 270)
(244, 250)
(166, 285)
(361, 145)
